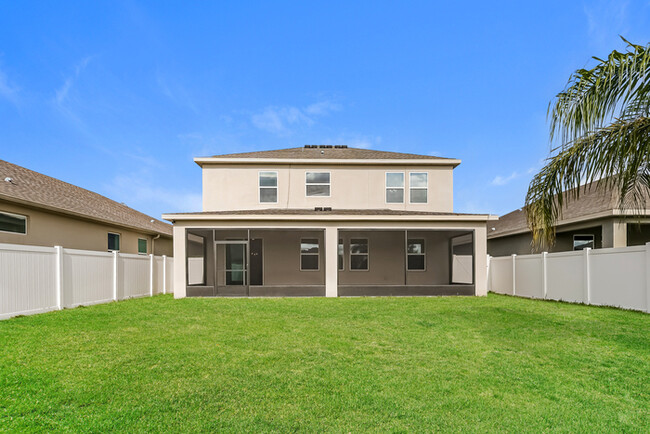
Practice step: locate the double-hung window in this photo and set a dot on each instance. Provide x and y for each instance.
(358, 254)
(415, 254)
(13, 223)
(418, 186)
(113, 242)
(317, 184)
(268, 185)
(309, 254)
(394, 187)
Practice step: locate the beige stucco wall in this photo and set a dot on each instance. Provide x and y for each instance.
(235, 187)
(46, 228)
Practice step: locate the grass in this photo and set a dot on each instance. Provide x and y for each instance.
(316, 364)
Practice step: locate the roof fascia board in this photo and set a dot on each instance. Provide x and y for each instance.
(328, 217)
(334, 161)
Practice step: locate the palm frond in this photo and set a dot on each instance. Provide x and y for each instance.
(594, 96)
(618, 155)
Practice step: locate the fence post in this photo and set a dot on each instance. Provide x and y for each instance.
(489, 279)
(514, 278)
(544, 275)
(587, 282)
(151, 274)
(164, 273)
(58, 250)
(115, 276)
(647, 277)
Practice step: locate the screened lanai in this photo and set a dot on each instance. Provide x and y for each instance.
(291, 262)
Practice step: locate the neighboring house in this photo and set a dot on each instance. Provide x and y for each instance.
(36, 209)
(594, 220)
(324, 220)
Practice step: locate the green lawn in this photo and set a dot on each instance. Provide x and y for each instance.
(316, 364)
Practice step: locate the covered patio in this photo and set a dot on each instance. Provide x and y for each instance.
(348, 261)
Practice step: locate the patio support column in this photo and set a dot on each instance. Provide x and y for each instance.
(331, 261)
(180, 276)
(480, 260)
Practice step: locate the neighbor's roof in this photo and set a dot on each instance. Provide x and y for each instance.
(328, 153)
(35, 189)
(595, 201)
(312, 214)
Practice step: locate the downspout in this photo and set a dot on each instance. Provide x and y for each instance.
(153, 243)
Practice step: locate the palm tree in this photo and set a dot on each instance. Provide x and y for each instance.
(602, 119)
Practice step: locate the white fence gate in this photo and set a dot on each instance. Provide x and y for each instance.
(36, 279)
(617, 277)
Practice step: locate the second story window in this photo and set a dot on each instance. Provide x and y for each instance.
(394, 187)
(268, 185)
(317, 183)
(418, 186)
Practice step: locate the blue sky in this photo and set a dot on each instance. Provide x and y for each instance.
(119, 96)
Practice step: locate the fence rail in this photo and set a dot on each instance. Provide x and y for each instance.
(35, 279)
(617, 277)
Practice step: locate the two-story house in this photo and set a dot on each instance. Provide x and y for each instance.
(328, 221)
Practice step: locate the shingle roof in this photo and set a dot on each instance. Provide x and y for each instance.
(311, 211)
(593, 200)
(331, 153)
(44, 191)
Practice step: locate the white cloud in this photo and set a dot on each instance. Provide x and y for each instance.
(322, 108)
(176, 92)
(606, 19)
(61, 94)
(8, 90)
(141, 192)
(279, 120)
(503, 180)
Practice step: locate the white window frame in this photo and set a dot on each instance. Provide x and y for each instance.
(11, 214)
(119, 241)
(147, 245)
(386, 187)
(259, 186)
(593, 241)
(359, 254)
(329, 184)
(423, 254)
(309, 254)
(426, 188)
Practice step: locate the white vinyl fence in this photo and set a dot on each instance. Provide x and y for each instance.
(36, 279)
(617, 277)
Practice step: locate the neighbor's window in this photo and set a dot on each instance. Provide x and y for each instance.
(13, 223)
(113, 242)
(341, 249)
(394, 187)
(581, 242)
(309, 253)
(142, 246)
(418, 185)
(268, 184)
(415, 254)
(358, 254)
(317, 183)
